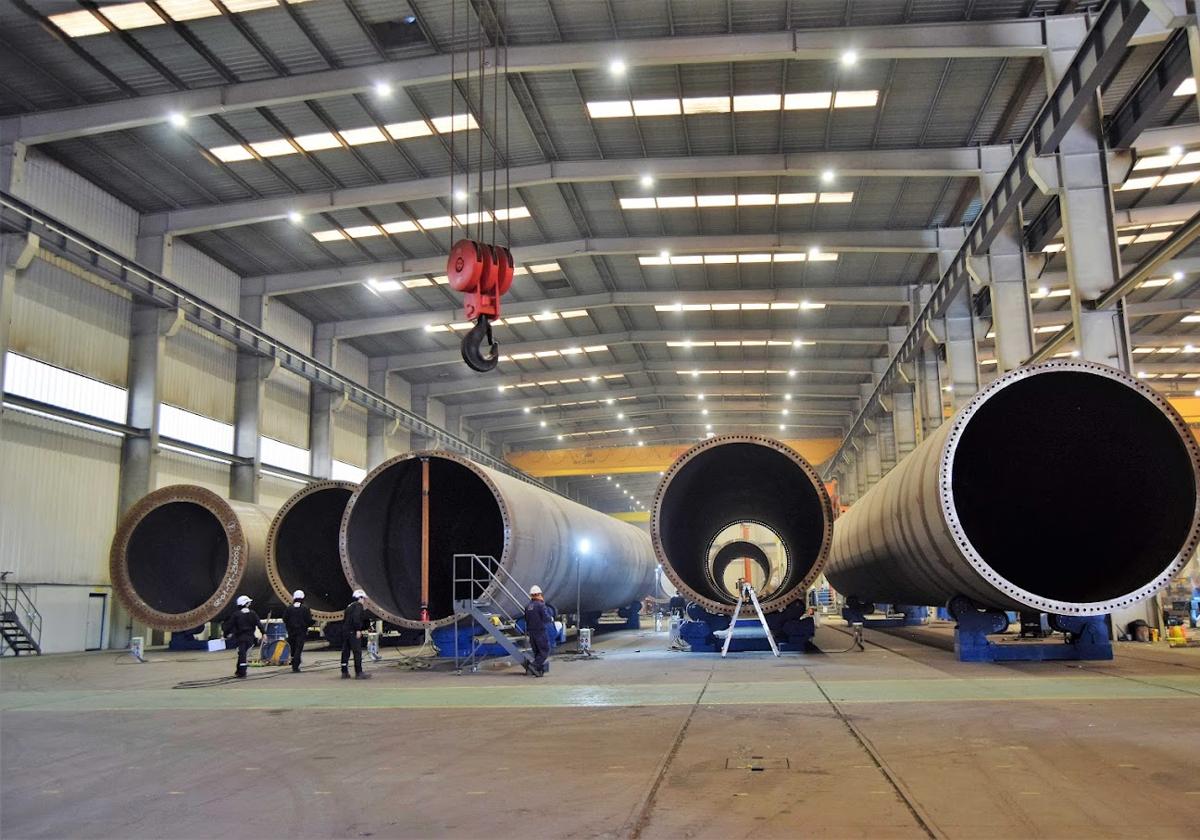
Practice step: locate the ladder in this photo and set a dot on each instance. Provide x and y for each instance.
(20, 621)
(747, 594)
(485, 590)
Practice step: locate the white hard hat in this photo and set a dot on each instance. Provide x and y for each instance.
(298, 595)
(243, 600)
(535, 590)
(358, 593)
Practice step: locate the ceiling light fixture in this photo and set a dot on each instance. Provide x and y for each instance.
(295, 217)
(177, 119)
(383, 88)
(827, 176)
(849, 58)
(616, 67)
(647, 180)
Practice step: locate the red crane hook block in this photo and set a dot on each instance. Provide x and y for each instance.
(483, 273)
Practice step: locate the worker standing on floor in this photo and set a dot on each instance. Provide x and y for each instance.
(240, 628)
(297, 619)
(353, 627)
(538, 622)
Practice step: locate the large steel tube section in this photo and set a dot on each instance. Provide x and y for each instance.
(302, 548)
(1068, 487)
(734, 479)
(182, 555)
(537, 536)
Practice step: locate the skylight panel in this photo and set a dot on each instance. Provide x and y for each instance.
(807, 101)
(757, 102)
(637, 204)
(363, 231)
(655, 107)
(231, 154)
(797, 198)
(408, 130)
(131, 15)
(181, 10)
(273, 148)
(836, 197)
(716, 200)
(755, 199)
(707, 105)
(668, 202)
(79, 24)
(400, 227)
(461, 122)
(606, 110)
(855, 99)
(328, 235)
(362, 136)
(317, 142)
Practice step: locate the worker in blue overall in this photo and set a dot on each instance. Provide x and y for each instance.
(538, 623)
(297, 619)
(240, 628)
(353, 627)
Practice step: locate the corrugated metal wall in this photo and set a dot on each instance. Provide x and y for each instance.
(273, 492)
(58, 500)
(180, 468)
(69, 321)
(59, 192)
(203, 276)
(198, 373)
(286, 395)
(350, 435)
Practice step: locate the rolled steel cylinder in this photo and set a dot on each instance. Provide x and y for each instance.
(302, 549)
(182, 555)
(1068, 487)
(735, 479)
(538, 536)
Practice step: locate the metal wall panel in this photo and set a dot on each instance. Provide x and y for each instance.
(289, 326)
(182, 468)
(58, 500)
(286, 408)
(63, 319)
(198, 373)
(72, 199)
(350, 435)
(351, 362)
(201, 275)
(273, 492)
(286, 396)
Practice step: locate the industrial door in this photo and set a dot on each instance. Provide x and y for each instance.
(94, 634)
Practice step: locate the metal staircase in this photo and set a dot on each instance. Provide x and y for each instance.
(20, 621)
(484, 590)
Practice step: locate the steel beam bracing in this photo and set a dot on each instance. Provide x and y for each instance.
(880, 296)
(917, 241)
(538, 537)
(972, 39)
(974, 512)
(1098, 57)
(735, 479)
(963, 162)
(182, 554)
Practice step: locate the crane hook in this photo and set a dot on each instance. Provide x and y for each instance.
(472, 344)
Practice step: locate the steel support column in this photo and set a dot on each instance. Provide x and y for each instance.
(419, 405)
(16, 253)
(322, 405)
(252, 373)
(1002, 270)
(1079, 178)
(379, 428)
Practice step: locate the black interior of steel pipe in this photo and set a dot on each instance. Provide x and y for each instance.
(732, 483)
(1073, 486)
(735, 551)
(306, 549)
(383, 536)
(177, 556)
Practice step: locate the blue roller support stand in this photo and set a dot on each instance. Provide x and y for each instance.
(1087, 638)
(855, 612)
(792, 629)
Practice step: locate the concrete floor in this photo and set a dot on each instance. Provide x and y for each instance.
(898, 741)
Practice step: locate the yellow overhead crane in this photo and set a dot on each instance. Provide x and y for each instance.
(621, 460)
